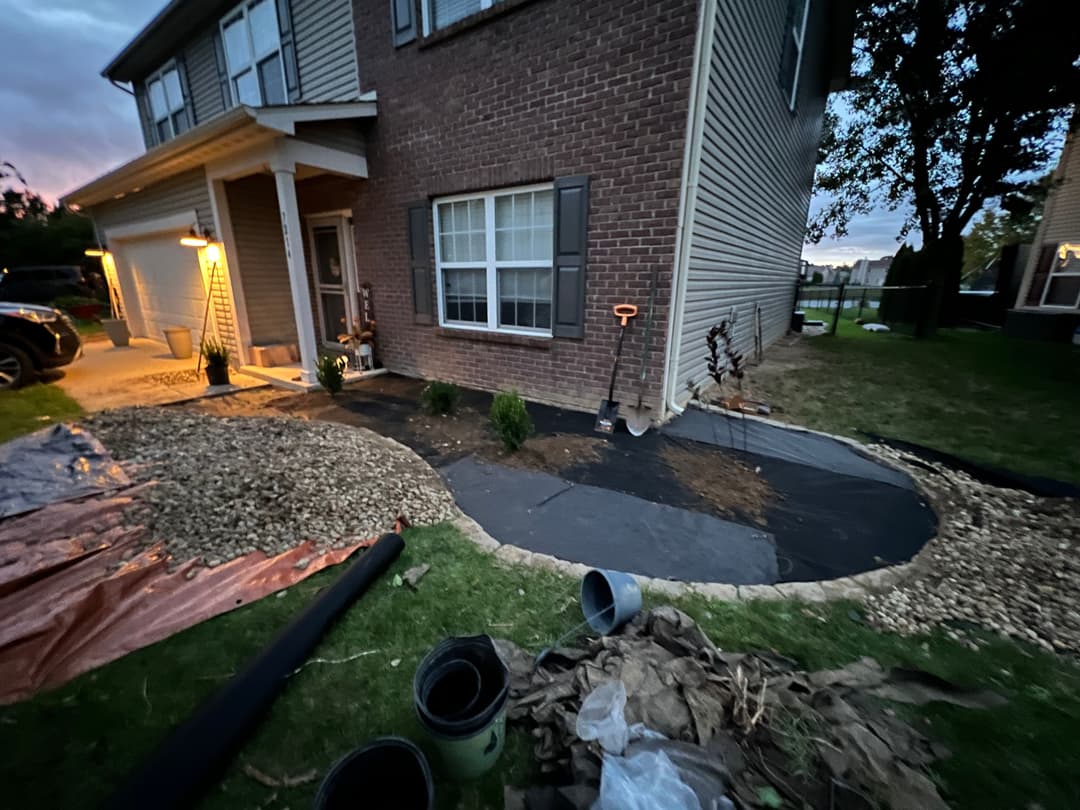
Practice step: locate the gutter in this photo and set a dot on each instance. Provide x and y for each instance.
(695, 126)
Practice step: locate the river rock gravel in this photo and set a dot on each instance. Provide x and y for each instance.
(1003, 559)
(227, 486)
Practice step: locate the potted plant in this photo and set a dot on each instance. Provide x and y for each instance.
(359, 341)
(216, 355)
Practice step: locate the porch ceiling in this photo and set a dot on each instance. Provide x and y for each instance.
(236, 131)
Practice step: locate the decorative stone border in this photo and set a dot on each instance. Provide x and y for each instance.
(855, 587)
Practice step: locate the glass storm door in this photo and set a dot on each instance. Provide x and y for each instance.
(335, 276)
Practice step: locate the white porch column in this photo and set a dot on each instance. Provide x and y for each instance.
(292, 231)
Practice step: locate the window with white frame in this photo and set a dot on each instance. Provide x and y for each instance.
(493, 260)
(167, 104)
(792, 53)
(442, 13)
(252, 42)
(1063, 286)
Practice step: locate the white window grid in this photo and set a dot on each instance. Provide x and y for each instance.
(489, 264)
(165, 96)
(798, 33)
(1067, 255)
(256, 57)
(468, 8)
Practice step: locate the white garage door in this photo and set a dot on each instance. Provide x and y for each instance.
(163, 278)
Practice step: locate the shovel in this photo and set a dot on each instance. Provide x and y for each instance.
(638, 417)
(609, 408)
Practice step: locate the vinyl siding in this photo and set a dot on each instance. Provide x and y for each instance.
(753, 181)
(343, 135)
(325, 50)
(260, 259)
(1060, 222)
(186, 191)
(202, 78)
(142, 107)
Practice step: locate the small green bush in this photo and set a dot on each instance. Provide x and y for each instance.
(215, 352)
(510, 419)
(331, 372)
(440, 397)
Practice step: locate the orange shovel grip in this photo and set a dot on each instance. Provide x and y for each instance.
(624, 312)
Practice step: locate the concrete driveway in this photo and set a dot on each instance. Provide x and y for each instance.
(142, 373)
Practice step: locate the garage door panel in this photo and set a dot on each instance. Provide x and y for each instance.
(167, 283)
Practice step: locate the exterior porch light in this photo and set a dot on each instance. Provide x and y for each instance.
(96, 253)
(194, 240)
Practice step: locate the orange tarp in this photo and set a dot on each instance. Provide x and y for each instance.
(78, 589)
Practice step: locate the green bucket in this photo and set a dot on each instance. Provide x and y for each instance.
(470, 757)
(461, 690)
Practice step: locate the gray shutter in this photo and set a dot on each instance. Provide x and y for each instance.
(786, 76)
(288, 50)
(571, 239)
(403, 20)
(222, 72)
(145, 118)
(420, 263)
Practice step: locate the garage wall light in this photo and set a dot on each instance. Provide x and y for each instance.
(194, 240)
(94, 252)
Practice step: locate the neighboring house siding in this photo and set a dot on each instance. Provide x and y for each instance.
(754, 181)
(346, 135)
(543, 90)
(260, 259)
(202, 77)
(325, 49)
(184, 192)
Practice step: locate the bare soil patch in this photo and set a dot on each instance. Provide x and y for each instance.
(724, 481)
(552, 454)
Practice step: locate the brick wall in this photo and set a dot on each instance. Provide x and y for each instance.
(542, 89)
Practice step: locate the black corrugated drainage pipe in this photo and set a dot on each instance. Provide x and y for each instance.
(198, 749)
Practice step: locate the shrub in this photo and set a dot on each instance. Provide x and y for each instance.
(215, 352)
(440, 397)
(510, 419)
(331, 372)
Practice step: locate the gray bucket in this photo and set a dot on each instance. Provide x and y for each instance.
(609, 599)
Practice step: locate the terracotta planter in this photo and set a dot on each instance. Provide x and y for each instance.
(117, 330)
(217, 375)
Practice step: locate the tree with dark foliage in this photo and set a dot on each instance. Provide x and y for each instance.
(31, 232)
(954, 104)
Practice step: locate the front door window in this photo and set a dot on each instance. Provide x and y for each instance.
(334, 279)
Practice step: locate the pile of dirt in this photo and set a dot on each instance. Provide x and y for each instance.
(774, 735)
(722, 480)
(554, 454)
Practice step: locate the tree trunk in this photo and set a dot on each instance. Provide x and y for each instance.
(943, 260)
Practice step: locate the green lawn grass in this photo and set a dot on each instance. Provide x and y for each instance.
(88, 329)
(36, 406)
(980, 395)
(67, 748)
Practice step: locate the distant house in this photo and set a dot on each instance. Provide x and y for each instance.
(1048, 305)
(871, 272)
(486, 178)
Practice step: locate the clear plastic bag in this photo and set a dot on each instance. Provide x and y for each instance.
(601, 717)
(646, 780)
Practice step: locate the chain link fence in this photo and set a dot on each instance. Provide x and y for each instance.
(825, 306)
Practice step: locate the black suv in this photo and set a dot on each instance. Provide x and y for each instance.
(32, 339)
(42, 284)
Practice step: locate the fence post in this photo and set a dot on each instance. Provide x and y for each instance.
(839, 306)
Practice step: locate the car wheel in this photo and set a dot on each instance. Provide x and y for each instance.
(15, 367)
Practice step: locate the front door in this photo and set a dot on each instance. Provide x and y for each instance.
(335, 275)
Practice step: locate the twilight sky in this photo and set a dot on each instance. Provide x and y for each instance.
(62, 124)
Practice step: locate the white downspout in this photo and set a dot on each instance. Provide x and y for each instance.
(695, 125)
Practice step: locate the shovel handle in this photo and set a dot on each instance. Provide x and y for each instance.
(624, 312)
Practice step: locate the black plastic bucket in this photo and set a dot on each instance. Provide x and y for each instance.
(445, 668)
(388, 773)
